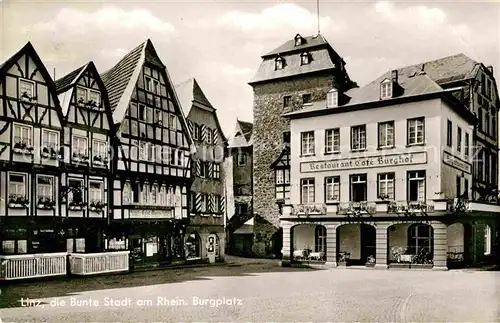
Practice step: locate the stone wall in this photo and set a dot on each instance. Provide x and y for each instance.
(269, 126)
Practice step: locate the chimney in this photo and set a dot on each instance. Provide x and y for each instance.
(490, 68)
(395, 76)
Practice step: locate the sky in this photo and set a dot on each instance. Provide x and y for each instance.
(220, 43)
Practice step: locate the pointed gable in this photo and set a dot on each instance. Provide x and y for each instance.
(242, 135)
(121, 80)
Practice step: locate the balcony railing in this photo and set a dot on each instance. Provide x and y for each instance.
(32, 265)
(356, 208)
(308, 209)
(98, 263)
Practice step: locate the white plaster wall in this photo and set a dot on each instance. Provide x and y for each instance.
(430, 109)
(303, 236)
(349, 237)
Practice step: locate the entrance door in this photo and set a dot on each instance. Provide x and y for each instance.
(368, 236)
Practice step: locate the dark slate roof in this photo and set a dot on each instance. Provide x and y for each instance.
(311, 41)
(190, 91)
(68, 79)
(246, 128)
(322, 54)
(444, 70)
(117, 78)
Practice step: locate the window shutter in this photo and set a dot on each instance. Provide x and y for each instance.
(210, 203)
(191, 127)
(198, 168)
(222, 206)
(203, 133)
(216, 137)
(198, 202)
(210, 170)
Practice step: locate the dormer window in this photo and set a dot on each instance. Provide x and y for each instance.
(299, 40)
(332, 98)
(305, 58)
(386, 89)
(279, 63)
(26, 89)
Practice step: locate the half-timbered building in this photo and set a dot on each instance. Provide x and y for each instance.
(152, 164)
(30, 137)
(88, 130)
(208, 191)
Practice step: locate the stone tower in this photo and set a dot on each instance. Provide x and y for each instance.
(297, 73)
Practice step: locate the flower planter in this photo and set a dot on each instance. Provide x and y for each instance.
(17, 206)
(342, 263)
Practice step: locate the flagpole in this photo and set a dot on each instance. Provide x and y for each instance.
(317, 7)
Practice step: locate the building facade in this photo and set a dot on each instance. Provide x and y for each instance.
(88, 131)
(302, 70)
(240, 221)
(207, 208)
(31, 132)
(380, 176)
(152, 172)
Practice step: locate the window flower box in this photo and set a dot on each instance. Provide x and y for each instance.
(344, 258)
(18, 202)
(46, 204)
(93, 105)
(97, 206)
(49, 153)
(76, 205)
(100, 160)
(370, 261)
(29, 99)
(23, 148)
(80, 158)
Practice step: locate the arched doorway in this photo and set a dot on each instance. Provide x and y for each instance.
(308, 242)
(356, 244)
(193, 246)
(277, 243)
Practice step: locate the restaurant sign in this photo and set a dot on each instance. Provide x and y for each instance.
(456, 162)
(151, 214)
(412, 158)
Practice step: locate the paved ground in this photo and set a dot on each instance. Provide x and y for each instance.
(259, 290)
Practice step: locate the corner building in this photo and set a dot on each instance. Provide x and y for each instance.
(301, 70)
(381, 176)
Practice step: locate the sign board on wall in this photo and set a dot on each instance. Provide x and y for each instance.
(365, 162)
(457, 163)
(211, 245)
(150, 214)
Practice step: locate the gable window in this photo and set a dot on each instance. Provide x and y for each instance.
(286, 137)
(158, 117)
(242, 158)
(307, 190)
(332, 98)
(358, 188)
(45, 191)
(180, 158)
(386, 89)
(307, 143)
(332, 189)
(216, 171)
(466, 148)
(358, 138)
(95, 96)
(80, 147)
(95, 191)
(145, 194)
(241, 208)
(50, 143)
(386, 134)
(416, 185)
(332, 141)
(286, 101)
(143, 151)
(415, 134)
(386, 186)
(172, 121)
(26, 88)
(196, 131)
(127, 193)
(208, 137)
(22, 136)
(279, 63)
(17, 187)
(459, 139)
(142, 112)
(298, 40)
(81, 94)
(152, 85)
(306, 98)
(305, 58)
(449, 135)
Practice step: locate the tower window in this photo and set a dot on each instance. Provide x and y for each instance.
(279, 63)
(305, 58)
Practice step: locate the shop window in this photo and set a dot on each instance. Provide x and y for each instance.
(420, 239)
(193, 249)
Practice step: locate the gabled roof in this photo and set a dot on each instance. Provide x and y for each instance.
(190, 93)
(69, 79)
(246, 129)
(28, 48)
(283, 159)
(121, 79)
